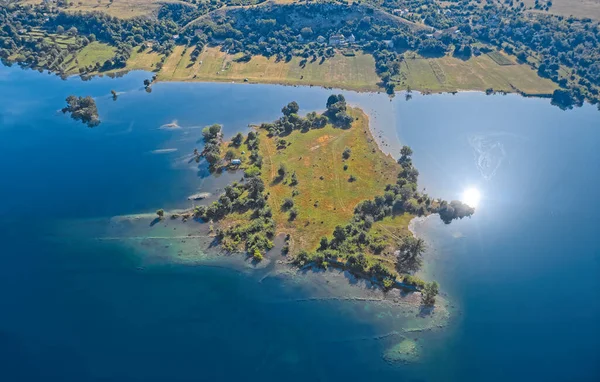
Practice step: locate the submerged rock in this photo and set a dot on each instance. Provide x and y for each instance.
(405, 351)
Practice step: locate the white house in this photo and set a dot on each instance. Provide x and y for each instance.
(337, 39)
(321, 39)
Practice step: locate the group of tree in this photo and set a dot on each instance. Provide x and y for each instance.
(82, 109)
(212, 145)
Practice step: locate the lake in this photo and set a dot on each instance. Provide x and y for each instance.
(522, 274)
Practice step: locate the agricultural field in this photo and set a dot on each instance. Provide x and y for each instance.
(577, 8)
(326, 196)
(477, 73)
(118, 8)
(356, 72)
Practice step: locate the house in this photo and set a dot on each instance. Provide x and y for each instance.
(299, 38)
(337, 39)
(389, 43)
(262, 39)
(320, 39)
(175, 36)
(351, 39)
(236, 162)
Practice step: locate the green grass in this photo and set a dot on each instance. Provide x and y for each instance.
(94, 52)
(326, 198)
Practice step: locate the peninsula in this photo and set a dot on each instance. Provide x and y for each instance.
(322, 181)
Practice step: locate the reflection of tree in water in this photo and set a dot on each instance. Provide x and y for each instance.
(489, 154)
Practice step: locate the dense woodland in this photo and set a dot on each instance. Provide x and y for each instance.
(565, 50)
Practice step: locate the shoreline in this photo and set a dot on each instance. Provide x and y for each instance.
(337, 87)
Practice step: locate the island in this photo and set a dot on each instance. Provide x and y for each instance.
(322, 182)
(82, 109)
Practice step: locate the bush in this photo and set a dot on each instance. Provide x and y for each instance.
(287, 203)
(352, 178)
(346, 153)
(293, 213)
(257, 256)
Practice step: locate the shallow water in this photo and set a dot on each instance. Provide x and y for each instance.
(523, 272)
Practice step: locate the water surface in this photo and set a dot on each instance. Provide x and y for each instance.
(523, 272)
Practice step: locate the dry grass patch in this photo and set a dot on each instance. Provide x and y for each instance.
(326, 198)
(357, 73)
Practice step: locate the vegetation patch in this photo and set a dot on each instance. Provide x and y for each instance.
(82, 109)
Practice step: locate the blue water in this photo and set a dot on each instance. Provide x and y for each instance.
(523, 272)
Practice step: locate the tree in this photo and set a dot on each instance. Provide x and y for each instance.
(237, 140)
(293, 213)
(430, 291)
(160, 213)
(410, 254)
(339, 234)
(346, 153)
(287, 203)
(406, 151)
(294, 179)
(229, 155)
(324, 243)
(290, 108)
(281, 170)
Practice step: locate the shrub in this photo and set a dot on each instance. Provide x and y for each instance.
(346, 153)
(352, 178)
(257, 256)
(287, 203)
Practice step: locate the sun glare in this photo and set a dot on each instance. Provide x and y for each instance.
(471, 197)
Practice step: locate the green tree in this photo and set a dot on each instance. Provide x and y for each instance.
(160, 213)
(237, 139)
(281, 170)
(429, 292)
(290, 108)
(410, 254)
(229, 155)
(346, 153)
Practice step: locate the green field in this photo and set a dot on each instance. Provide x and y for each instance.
(94, 52)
